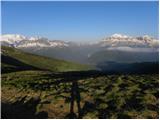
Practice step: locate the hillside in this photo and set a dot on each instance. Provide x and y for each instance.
(14, 59)
(129, 68)
(123, 56)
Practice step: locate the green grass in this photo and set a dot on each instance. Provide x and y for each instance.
(102, 96)
(40, 61)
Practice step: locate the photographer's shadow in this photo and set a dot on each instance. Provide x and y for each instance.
(75, 97)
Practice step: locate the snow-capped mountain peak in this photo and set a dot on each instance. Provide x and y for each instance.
(12, 38)
(21, 41)
(115, 40)
(147, 37)
(34, 38)
(119, 40)
(119, 36)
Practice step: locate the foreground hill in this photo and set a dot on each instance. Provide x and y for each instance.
(14, 59)
(43, 94)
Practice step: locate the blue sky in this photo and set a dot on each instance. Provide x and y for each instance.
(80, 21)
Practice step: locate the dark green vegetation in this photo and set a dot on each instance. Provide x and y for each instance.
(132, 68)
(32, 89)
(123, 56)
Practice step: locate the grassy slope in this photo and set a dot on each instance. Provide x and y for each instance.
(40, 61)
(102, 96)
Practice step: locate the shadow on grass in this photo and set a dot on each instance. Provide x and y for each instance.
(75, 97)
(22, 110)
(28, 109)
(13, 65)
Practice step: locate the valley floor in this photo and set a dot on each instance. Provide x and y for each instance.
(43, 94)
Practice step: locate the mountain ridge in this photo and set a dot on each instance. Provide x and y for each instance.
(21, 41)
(127, 46)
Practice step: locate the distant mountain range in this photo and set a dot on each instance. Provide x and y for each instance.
(20, 41)
(116, 40)
(116, 48)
